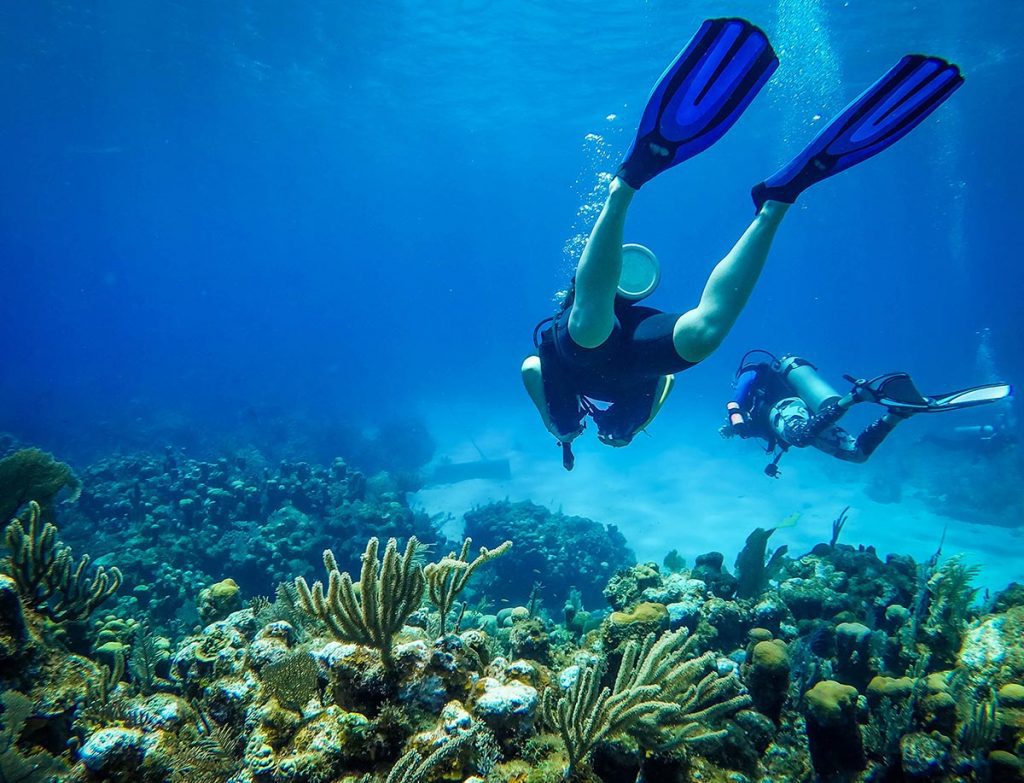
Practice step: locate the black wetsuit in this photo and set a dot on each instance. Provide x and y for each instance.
(625, 370)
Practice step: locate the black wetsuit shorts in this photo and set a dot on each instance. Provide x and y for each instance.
(624, 370)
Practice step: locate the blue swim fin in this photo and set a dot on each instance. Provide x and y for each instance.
(883, 114)
(699, 97)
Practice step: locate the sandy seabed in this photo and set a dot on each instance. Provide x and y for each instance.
(683, 487)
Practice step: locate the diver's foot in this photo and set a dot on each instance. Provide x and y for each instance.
(703, 92)
(889, 389)
(899, 414)
(764, 196)
(861, 391)
(882, 115)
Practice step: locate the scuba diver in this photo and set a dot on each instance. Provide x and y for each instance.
(979, 439)
(786, 403)
(602, 345)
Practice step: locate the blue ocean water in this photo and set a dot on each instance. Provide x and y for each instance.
(241, 219)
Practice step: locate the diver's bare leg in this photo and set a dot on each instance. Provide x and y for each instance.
(534, 383)
(700, 331)
(597, 275)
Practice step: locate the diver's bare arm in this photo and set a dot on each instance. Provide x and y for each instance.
(700, 331)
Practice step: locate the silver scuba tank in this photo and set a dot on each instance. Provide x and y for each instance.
(803, 378)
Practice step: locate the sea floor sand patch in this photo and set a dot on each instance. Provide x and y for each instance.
(702, 493)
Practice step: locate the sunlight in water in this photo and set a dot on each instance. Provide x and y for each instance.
(591, 185)
(808, 81)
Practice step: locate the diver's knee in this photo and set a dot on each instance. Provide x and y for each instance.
(589, 330)
(697, 338)
(530, 372)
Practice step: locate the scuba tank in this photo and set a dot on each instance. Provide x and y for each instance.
(803, 378)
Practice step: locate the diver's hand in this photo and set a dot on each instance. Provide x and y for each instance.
(569, 438)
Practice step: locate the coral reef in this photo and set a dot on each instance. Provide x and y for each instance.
(235, 517)
(562, 553)
(833, 665)
(32, 474)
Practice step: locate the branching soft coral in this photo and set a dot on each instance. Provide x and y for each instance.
(47, 575)
(448, 577)
(657, 680)
(389, 591)
(950, 598)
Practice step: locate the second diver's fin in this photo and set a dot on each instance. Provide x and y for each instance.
(699, 97)
(893, 389)
(898, 393)
(883, 114)
(969, 398)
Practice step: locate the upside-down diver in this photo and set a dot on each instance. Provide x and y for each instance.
(603, 345)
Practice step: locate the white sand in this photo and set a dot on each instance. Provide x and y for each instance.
(686, 488)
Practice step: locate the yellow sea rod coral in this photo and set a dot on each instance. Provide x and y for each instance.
(389, 591)
(657, 680)
(46, 572)
(447, 578)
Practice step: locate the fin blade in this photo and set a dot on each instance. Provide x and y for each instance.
(970, 398)
(699, 96)
(896, 104)
(884, 113)
(898, 390)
